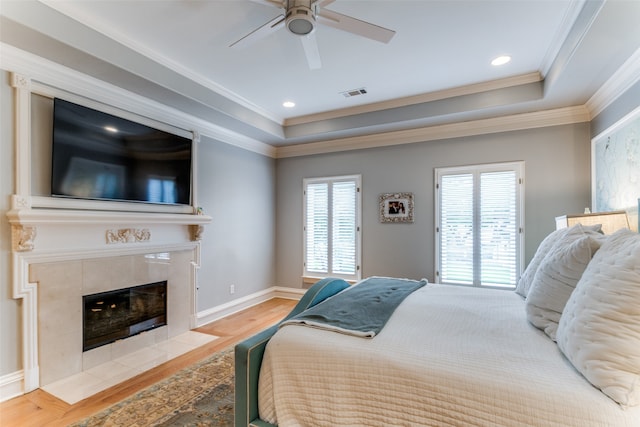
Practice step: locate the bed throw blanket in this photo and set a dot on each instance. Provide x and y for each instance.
(361, 310)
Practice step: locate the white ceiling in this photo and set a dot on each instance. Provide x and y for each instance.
(562, 50)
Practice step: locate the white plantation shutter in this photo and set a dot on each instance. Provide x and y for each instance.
(478, 217)
(331, 227)
(457, 229)
(498, 228)
(317, 226)
(344, 227)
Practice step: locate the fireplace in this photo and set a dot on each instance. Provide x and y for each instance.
(114, 315)
(63, 285)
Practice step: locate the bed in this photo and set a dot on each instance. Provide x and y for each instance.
(563, 350)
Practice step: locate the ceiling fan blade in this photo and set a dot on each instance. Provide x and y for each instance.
(261, 32)
(276, 3)
(355, 26)
(311, 51)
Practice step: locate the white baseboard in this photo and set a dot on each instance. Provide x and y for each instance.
(11, 385)
(215, 313)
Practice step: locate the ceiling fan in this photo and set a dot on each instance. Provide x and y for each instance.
(301, 18)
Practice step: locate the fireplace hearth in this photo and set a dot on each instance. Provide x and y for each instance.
(114, 315)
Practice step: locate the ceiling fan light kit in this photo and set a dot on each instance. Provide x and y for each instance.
(300, 20)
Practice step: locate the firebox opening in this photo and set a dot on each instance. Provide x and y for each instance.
(114, 315)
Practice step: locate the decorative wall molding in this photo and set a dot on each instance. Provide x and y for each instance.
(18, 80)
(23, 238)
(128, 235)
(18, 202)
(196, 232)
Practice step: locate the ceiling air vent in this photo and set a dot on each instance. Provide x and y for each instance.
(353, 92)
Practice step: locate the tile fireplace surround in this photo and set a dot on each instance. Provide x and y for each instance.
(61, 286)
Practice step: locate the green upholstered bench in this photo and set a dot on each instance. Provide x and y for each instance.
(248, 354)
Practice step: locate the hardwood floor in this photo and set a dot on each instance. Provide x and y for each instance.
(39, 408)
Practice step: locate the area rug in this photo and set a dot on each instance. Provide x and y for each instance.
(200, 395)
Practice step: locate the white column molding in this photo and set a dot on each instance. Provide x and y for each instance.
(194, 172)
(22, 92)
(28, 292)
(195, 286)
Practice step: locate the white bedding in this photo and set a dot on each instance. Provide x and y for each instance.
(449, 356)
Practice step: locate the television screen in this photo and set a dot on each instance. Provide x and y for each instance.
(103, 157)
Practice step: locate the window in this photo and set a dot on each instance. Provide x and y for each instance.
(332, 227)
(478, 224)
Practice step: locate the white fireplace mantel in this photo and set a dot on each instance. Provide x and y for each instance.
(51, 216)
(59, 230)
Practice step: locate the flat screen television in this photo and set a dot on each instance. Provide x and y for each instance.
(99, 156)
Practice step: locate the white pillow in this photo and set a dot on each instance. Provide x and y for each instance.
(599, 331)
(558, 275)
(524, 283)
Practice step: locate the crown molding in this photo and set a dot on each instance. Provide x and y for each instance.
(163, 60)
(51, 79)
(625, 77)
(418, 99)
(538, 119)
(567, 26)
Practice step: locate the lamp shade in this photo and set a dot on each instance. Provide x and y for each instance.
(611, 221)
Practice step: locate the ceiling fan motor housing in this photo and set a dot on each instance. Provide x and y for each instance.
(301, 17)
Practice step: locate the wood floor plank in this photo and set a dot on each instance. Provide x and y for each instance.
(41, 409)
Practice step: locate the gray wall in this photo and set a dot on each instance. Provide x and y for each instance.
(557, 178)
(237, 188)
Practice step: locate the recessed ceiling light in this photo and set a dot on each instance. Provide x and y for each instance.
(288, 104)
(501, 60)
(111, 129)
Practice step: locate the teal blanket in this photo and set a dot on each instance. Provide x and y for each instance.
(361, 310)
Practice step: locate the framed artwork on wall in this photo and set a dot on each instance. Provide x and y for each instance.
(615, 168)
(396, 207)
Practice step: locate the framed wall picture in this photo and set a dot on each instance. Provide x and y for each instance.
(396, 207)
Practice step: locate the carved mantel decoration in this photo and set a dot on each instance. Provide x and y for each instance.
(23, 237)
(196, 232)
(128, 235)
